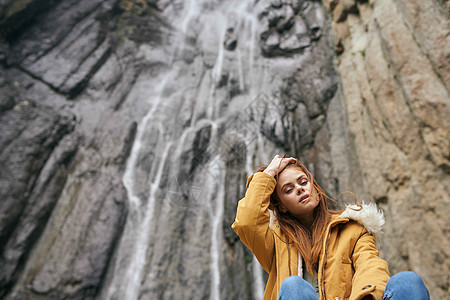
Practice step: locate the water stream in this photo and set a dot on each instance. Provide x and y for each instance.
(137, 267)
(133, 249)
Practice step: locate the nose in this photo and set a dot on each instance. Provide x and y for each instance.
(300, 189)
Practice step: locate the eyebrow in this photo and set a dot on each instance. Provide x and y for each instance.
(289, 183)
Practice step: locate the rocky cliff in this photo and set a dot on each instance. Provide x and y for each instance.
(393, 58)
(129, 128)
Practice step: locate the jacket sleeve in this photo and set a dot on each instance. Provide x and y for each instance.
(371, 272)
(253, 218)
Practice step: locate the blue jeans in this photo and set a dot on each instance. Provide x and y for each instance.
(295, 287)
(402, 286)
(406, 285)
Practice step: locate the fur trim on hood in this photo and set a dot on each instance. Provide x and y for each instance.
(368, 215)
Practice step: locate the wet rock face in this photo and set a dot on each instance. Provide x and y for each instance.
(39, 38)
(37, 145)
(129, 128)
(289, 26)
(124, 156)
(49, 42)
(42, 142)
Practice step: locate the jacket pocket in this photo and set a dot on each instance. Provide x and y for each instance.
(338, 274)
(347, 276)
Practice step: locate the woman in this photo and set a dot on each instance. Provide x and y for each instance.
(310, 251)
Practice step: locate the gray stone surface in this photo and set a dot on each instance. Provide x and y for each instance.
(37, 146)
(128, 129)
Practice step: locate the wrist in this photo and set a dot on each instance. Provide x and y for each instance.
(270, 172)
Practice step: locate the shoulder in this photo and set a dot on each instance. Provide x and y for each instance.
(367, 216)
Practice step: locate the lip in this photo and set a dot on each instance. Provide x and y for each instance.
(304, 198)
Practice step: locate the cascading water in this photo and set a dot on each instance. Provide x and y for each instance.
(141, 212)
(205, 113)
(129, 128)
(164, 107)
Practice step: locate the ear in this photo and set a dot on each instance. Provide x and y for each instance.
(282, 208)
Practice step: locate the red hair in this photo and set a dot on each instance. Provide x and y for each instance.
(307, 241)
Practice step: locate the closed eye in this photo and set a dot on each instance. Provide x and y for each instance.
(302, 180)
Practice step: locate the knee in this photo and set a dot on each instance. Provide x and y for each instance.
(407, 276)
(292, 282)
(407, 283)
(295, 287)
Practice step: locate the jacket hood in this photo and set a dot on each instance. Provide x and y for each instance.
(368, 215)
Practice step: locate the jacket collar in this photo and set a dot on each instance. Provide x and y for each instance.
(367, 215)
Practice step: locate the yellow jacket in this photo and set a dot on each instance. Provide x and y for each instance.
(349, 266)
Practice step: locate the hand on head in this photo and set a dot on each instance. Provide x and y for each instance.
(277, 164)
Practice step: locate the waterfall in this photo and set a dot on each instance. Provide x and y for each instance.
(189, 13)
(134, 272)
(129, 128)
(241, 72)
(203, 101)
(217, 71)
(140, 212)
(216, 214)
(128, 178)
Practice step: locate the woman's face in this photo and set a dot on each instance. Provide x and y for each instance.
(293, 190)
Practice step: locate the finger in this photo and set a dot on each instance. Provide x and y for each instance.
(276, 158)
(283, 164)
(289, 158)
(287, 161)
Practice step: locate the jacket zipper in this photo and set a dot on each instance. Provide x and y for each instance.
(323, 265)
(289, 255)
(326, 255)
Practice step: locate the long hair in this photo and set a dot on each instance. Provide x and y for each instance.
(307, 241)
